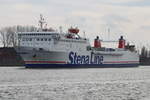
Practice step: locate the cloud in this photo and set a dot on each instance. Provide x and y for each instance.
(140, 3)
(145, 28)
(130, 3)
(23, 1)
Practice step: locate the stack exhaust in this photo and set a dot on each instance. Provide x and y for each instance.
(97, 42)
(121, 42)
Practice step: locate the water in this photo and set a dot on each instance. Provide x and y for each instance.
(18, 83)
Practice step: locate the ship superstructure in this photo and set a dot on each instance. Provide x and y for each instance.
(49, 48)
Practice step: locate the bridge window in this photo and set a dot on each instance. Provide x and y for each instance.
(27, 39)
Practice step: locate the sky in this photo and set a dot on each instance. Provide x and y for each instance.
(130, 18)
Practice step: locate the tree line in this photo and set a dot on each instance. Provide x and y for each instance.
(145, 52)
(8, 35)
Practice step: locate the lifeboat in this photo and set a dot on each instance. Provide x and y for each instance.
(73, 30)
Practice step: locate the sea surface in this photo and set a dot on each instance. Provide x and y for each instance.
(19, 83)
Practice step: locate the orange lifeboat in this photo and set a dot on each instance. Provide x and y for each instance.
(73, 30)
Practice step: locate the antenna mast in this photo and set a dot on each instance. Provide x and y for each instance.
(60, 29)
(84, 34)
(41, 21)
(108, 34)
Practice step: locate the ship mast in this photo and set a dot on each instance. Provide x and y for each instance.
(41, 21)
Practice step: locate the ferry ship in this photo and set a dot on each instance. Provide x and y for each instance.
(47, 48)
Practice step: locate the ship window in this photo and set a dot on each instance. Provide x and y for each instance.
(49, 39)
(45, 39)
(30, 39)
(41, 39)
(23, 39)
(27, 39)
(37, 39)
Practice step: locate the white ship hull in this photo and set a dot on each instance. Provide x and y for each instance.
(50, 48)
(43, 59)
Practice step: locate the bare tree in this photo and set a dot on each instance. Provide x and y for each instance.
(8, 35)
(3, 38)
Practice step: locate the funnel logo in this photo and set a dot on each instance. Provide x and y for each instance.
(93, 58)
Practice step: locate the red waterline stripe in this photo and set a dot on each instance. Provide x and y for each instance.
(121, 62)
(53, 62)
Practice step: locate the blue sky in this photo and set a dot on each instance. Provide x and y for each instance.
(130, 18)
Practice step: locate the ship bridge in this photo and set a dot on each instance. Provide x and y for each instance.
(53, 41)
